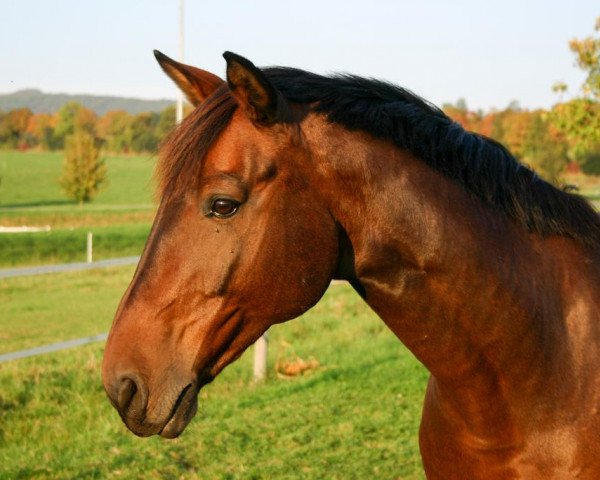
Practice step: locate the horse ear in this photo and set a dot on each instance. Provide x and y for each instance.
(253, 90)
(196, 84)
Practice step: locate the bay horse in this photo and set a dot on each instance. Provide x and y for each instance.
(281, 180)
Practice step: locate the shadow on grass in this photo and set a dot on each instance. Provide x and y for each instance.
(324, 376)
(41, 203)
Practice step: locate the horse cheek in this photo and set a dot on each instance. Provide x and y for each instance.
(220, 262)
(308, 262)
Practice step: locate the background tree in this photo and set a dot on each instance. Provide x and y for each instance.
(578, 120)
(510, 127)
(84, 172)
(587, 57)
(143, 137)
(529, 135)
(544, 149)
(114, 128)
(13, 126)
(71, 117)
(40, 131)
(166, 123)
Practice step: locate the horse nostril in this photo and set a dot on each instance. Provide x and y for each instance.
(125, 393)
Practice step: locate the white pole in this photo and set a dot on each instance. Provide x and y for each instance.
(260, 358)
(179, 110)
(89, 247)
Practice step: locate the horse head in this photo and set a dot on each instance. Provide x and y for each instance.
(241, 241)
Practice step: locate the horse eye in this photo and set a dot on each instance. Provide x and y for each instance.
(223, 207)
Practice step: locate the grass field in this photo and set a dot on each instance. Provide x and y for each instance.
(51, 308)
(30, 179)
(356, 416)
(119, 218)
(69, 245)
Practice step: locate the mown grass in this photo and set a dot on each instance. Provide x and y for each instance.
(119, 218)
(44, 309)
(65, 246)
(30, 195)
(88, 216)
(30, 180)
(356, 416)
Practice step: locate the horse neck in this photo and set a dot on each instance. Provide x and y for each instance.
(474, 296)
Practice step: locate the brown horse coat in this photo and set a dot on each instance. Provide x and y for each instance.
(281, 180)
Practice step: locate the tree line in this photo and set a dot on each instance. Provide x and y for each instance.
(82, 135)
(116, 132)
(567, 136)
(564, 138)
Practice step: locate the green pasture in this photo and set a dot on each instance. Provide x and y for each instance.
(355, 416)
(119, 218)
(30, 181)
(69, 245)
(51, 308)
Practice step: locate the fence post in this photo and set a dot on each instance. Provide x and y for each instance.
(89, 247)
(260, 358)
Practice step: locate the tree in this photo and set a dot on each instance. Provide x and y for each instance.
(13, 126)
(587, 57)
(40, 130)
(143, 138)
(166, 123)
(114, 128)
(510, 128)
(578, 120)
(71, 117)
(544, 148)
(84, 172)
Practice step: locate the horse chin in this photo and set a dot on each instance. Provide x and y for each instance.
(184, 410)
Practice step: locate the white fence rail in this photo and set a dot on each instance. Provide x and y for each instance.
(52, 347)
(260, 347)
(67, 267)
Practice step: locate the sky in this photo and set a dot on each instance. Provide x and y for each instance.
(488, 52)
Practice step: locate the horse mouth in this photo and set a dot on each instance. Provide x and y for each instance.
(184, 409)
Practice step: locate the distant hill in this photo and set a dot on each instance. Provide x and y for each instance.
(40, 102)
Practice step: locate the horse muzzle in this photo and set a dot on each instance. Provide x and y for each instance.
(166, 416)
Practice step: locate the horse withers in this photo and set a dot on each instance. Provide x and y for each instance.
(281, 180)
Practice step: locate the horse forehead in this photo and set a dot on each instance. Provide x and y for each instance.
(229, 153)
(240, 146)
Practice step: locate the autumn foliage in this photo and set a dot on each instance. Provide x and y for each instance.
(534, 137)
(566, 136)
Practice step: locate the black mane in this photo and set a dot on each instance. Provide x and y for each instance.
(482, 166)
